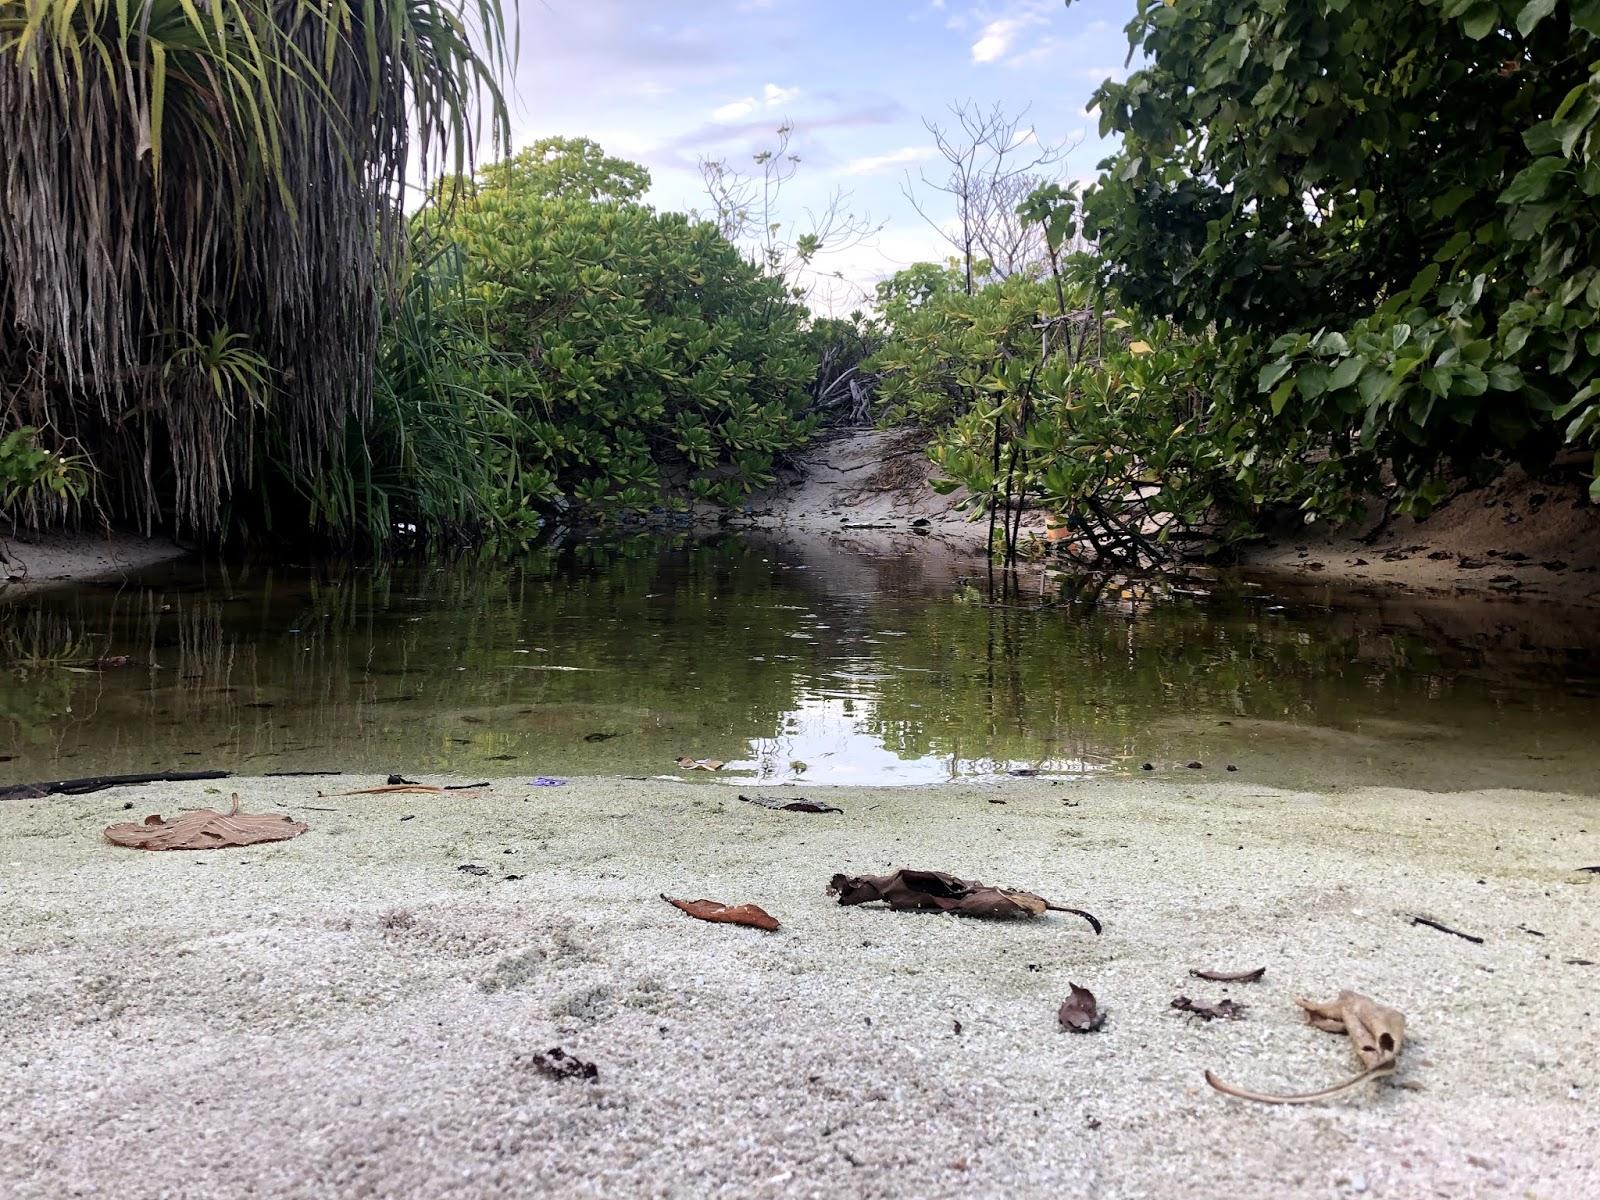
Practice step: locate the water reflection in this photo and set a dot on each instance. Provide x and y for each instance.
(795, 661)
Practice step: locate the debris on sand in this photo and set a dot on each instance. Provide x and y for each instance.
(1080, 1012)
(907, 889)
(737, 914)
(205, 829)
(1376, 1033)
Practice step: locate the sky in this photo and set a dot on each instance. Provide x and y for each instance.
(669, 82)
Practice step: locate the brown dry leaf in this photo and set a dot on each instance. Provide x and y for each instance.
(205, 829)
(1229, 977)
(1079, 1012)
(800, 804)
(1230, 1010)
(1376, 1033)
(738, 914)
(907, 889)
(700, 764)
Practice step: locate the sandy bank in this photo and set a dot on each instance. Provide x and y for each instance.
(343, 1014)
(39, 560)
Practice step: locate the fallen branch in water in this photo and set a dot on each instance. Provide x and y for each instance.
(99, 783)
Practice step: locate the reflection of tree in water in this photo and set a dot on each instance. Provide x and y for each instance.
(703, 648)
(380, 666)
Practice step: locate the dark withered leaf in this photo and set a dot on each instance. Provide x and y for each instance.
(1229, 976)
(908, 889)
(1230, 1010)
(1080, 1012)
(558, 1064)
(799, 804)
(727, 914)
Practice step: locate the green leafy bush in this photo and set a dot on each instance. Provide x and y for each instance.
(639, 351)
(1388, 213)
(1035, 404)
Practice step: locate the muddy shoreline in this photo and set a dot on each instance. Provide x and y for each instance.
(375, 1006)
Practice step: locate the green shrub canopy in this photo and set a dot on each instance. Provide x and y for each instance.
(1386, 208)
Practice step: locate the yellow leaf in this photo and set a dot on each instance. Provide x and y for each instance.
(1140, 347)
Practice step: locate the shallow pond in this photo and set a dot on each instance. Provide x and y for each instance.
(792, 660)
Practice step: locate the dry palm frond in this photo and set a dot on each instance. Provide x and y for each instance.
(200, 204)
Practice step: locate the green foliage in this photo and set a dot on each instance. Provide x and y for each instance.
(1032, 405)
(630, 355)
(202, 207)
(32, 477)
(574, 168)
(1386, 210)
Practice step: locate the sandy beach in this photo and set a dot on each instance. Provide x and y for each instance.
(350, 1013)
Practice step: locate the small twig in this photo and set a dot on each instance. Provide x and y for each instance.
(1432, 924)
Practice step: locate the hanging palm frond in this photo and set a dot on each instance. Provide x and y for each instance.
(200, 215)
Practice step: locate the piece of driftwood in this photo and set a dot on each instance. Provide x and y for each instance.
(99, 783)
(907, 889)
(1376, 1032)
(205, 829)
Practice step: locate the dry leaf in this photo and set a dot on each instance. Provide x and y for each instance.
(700, 764)
(739, 914)
(1376, 1033)
(1079, 1012)
(907, 889)
(799, 804)
(1229, 977)
(558, 1064)
(1230, 1010)
(205, 829)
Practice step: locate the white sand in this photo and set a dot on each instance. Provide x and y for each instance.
(343, 1014)
(38, 560)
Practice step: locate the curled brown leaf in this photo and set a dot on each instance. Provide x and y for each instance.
(737, 914)
(1080, 1012)
(1229, 977)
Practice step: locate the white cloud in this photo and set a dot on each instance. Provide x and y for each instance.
(995, 39)
(733, 110)
(773, 95)
(876, 163)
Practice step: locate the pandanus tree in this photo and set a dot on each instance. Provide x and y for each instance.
(201, 213)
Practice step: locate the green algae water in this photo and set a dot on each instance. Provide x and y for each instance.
(803, 661)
